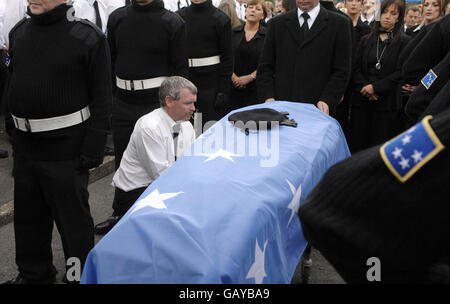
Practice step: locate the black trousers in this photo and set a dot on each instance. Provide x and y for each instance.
(370, 127)
(124, 200)
(124, 117)
(47, 192)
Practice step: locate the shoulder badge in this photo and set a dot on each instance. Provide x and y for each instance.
(405, 154)
(428, 79)
(7, 60)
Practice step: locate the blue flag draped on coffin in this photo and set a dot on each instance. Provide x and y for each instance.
(226, 211)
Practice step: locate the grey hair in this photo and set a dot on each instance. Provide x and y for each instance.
(172, 87)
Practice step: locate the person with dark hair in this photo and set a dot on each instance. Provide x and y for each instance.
(248, 40)
(59, 95)
(148, 44)
(376, 102)
(295, 65)
(354, 12)
(411, 17)
(210, 54)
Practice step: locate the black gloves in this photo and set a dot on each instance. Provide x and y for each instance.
(221, 101)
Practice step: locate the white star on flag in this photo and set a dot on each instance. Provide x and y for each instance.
(406, 139)
(417, 156)
(155, 200)
(404, 163)
(295, 202)
(397, 152)
(257, 270)
(220, 153)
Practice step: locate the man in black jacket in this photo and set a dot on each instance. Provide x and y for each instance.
(306, 62)
(210, 56)
(59, 92)
(148, 44)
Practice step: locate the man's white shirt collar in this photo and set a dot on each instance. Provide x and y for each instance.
(169, 121)
(312, 15)
(368, 20)
(419, 27)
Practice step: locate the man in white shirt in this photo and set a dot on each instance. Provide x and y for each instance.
(92, 9)
(368, 12)
(240, 8)
(157, 140)
(175, 5)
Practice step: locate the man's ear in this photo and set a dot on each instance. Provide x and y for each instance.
(169, 101)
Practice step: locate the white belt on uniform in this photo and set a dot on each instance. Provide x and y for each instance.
(53, 123)
(144, 84)
(199, 62)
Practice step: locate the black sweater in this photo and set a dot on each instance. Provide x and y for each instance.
(146, 42)
(58, 67)
(209, 34)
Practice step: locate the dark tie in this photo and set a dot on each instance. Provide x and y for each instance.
(176, 131)
(305, 27)
(366, 22)
(127, 2)
(98, 19)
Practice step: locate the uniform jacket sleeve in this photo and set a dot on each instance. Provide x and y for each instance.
(341, 66)
(100, 94)
(226, 56)
(110, 33)
(178, 49)
(266, 67)
(429, 52)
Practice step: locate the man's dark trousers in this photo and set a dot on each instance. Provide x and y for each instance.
(47, 191)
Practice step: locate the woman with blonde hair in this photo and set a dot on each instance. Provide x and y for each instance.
(228, 7)
(248, 40)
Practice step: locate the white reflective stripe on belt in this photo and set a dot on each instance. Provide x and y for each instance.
(199, 62)
(144, 84)
(52, 123)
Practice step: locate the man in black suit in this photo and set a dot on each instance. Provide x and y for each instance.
(306, 61)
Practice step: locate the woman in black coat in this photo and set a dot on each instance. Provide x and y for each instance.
(248, 40)
(376, 103)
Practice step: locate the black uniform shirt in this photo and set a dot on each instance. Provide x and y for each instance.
(209, 34)
(58, 67)
(146, 42)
